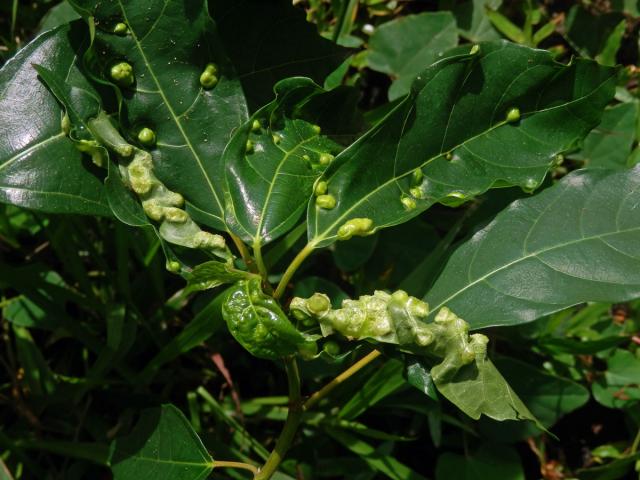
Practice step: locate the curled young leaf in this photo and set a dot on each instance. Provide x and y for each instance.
(258, 323)
(462, 373)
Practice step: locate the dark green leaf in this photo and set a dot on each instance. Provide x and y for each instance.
(263, 39)
(168, 45)
(404, 46)
(609, 144)
(40, 168)
(612, 471)
(548, 397)
(454, 130)
(162, 446)
(574, 242)
(589, 33)
(473, 23)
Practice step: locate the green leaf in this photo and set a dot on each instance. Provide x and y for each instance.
(40, 168)
(574, 242)
(548, 397)
(213, 274)
(168, 45)
(58, 15)
(608, 54)
(473, 22)
(451, 139)
(619, 387)
(487, 462)
(263, 39)
(258, 323)
(38, 376)
(506, 26)
(273, 161)
(589, 34)
(404, 46)
(611, 471)
(609, 144)
(382, 383)
(479, 389)
(162, 446)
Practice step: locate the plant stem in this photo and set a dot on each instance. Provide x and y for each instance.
(291, 269)
(329, 387)
(291, 424)
(636, 443)
(244, 466)
(244, 253)
(257, 253)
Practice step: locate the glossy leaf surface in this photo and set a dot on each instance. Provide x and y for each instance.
(454, 129)
(168, 44)
(577, 241)
(273, 161)
(404, 46)
(162, 446)
(40, 168)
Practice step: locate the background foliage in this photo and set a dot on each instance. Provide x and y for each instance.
(97, 334)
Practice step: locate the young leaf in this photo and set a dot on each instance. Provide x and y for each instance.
(404, 46)
(498, 116)
(574, 242)
(40, 168)
(162, 446)
(168, 47)
(213, 274)
(273, 161)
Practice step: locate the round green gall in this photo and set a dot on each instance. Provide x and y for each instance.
(326, 201)
(318, 303)
(513, 115)
(173, 266)
(248, 147)
(475, 49)
(276, 138)
(321, 188)
(325, 159)
(416, 192)
(122, 74)
(256, 126)
(316, 129)
(209, 76)
(408, 203)
(120, 29)
(147, 137)
(331, 347)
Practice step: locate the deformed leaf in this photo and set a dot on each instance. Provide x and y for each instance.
(162, 446)
(575, 242)
(496, 116)
(461, 372)
(258, 323)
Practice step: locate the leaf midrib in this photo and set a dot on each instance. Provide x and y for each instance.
(528, 256)
(170, 108)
